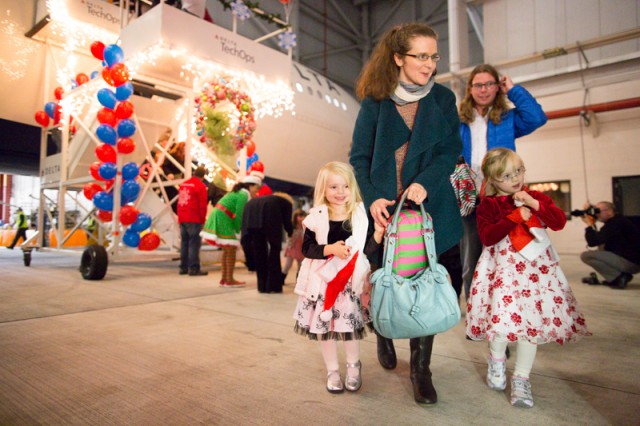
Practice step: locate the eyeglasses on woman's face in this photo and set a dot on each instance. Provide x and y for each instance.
(510, 176)
(423, 57)
(488, 85)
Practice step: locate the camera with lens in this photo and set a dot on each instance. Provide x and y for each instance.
(590, 211)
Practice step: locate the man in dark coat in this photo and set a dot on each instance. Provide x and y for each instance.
(262, 224)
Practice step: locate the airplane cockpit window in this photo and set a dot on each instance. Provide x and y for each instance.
(319, 94)
(344, 106)
(328, 99)
(336, 103)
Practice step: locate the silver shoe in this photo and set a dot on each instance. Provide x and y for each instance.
(352, 384)
(334, 382)
(521, 392)
(497, 374)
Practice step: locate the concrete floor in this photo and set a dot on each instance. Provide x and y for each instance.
(147, 346)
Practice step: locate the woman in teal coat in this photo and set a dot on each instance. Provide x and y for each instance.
(406, 139)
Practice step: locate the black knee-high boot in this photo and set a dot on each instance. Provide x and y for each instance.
(423, 390)
(386, 353)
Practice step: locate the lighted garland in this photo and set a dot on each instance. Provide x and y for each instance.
(213, 94)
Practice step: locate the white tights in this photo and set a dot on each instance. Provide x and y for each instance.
(525, 356)
(330, 354)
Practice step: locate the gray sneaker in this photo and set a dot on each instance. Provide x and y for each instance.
(497, 374)
(521, 392)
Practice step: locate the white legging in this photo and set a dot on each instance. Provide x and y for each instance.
(525, 356)
(330, 353)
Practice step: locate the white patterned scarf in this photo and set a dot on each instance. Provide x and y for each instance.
(406, 92)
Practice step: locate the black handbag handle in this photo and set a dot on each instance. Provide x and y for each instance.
(391, 237)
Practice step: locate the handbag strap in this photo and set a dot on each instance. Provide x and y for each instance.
(391, 237)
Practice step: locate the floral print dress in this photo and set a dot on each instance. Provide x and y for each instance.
(513, 298)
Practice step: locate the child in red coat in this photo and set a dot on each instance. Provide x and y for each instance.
(518, 293)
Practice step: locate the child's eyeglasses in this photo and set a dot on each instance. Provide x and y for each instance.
(509, 176)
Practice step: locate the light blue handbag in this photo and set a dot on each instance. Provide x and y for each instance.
(421, 305)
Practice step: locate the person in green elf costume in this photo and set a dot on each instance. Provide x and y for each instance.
(222, 227)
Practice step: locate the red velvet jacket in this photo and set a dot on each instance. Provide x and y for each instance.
(497, 216)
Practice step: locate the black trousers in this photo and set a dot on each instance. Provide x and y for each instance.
(450, 259)
(21, 232)
(265, 251)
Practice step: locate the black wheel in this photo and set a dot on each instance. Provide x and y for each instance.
(26, 256)
(93, 265)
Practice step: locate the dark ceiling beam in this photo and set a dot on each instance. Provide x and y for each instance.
(383, 24)
(345, 18)
(334, 26)
(438, 9)
(329, 52)
(318, 39)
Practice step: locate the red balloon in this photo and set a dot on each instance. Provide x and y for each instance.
(90, 189)
(119, 74)
(285, 2)
(105, 152)
(126, 146)
(149, 242)
(128, 215)
(106, 116)
(58, 92)
(97, 50)
(93, 170)
(57, 113)
(251, 148)
(81, 79)
(42, 118)
(124, 110)
(257, 166)
(106, 75)
(104, 215)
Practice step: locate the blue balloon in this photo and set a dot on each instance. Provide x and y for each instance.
(126, 128)
(103, 201)
(124, 91)
(113, 54)
(106, 134)
(142, 222)
(130, 189)
(94, 74)
(107, 98)
(107, 171)
(130, 171)
(50, 109)
(131, 238)
(124, 200)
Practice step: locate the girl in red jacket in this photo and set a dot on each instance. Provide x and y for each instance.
(518, 293)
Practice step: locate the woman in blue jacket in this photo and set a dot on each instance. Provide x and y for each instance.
(486, 122)
(406, 139)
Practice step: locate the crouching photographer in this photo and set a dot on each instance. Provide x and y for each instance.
(618, 256)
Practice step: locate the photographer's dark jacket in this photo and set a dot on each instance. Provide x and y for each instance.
(619, 235)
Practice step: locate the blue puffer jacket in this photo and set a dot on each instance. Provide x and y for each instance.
(526, 117)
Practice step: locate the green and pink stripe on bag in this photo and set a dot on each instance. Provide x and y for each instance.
(410, 254)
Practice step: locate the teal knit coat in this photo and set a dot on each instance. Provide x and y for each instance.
(434, 147)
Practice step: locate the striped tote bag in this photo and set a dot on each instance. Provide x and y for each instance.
(410, 254)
